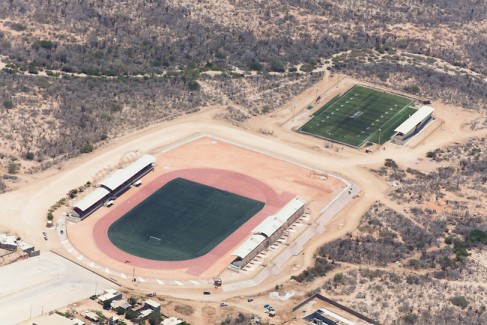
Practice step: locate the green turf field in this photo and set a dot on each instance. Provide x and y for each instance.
(361, 114)
(189, 218)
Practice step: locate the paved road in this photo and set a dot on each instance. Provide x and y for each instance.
(41, 284)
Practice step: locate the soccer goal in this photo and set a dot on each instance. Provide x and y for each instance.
(154, 240)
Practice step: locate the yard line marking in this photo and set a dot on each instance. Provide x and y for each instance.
(123, 275)
(195, 282)
(141, 279)
(178, 283)
(159, 281)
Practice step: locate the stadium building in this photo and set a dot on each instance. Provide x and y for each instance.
(412, 125)
(113, 186)
(267, 233)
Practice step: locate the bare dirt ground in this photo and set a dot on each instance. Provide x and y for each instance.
(287, 179)
(30, 203)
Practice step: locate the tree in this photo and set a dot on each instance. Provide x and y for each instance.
(155, 318)
(29, 155)
(131, 314)
(50, 216)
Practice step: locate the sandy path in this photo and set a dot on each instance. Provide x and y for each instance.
(24, 210)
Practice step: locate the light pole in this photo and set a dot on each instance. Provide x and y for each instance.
(316, 97)
(379, 136)
(294, 112)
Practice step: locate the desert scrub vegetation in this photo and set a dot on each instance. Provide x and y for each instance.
(59, 118)
(383, 236)
(409, 298)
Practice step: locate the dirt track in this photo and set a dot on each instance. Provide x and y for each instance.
(24, 210)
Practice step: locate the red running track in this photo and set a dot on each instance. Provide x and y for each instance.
(222, 179)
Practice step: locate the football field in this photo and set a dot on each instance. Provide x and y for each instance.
(360, 115)
(180, 221)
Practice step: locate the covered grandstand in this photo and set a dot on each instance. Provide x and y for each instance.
(112, 186)
(412, 125)
(122, 179)
(268, 232)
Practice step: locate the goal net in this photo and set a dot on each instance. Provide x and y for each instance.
(154, 240)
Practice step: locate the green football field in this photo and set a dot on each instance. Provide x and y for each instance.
(185, 220)
(360, 115)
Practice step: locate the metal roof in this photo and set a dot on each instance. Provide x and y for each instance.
(95, 196)
(248, 246)
(414, 119)
(273, 223)
(122, 175)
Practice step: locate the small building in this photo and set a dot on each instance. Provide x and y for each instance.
(144, 314)
(25, 247)
(412, 125)
(171, 321)
(152, 305)
(56, 319)
(8, 242)
(91, 316)
(120, 304)
(109, 295)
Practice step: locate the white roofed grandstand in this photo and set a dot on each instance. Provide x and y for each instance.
(267, 232)
(98, 194)
(115, 180)
(113, 186)
(412, 125)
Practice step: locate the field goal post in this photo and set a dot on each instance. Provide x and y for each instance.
(154, 240)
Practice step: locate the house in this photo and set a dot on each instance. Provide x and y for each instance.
(171, 321)
(120, 304)
(8, 242)
(109, 295)
(144, 314)
(91, 316)
(152, 305)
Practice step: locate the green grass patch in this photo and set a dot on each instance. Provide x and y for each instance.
(189, 218)
(360, 115)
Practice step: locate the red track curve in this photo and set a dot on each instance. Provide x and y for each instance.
(222, 179)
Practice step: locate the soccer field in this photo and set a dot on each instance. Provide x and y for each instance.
(182, 220)
(361, 114)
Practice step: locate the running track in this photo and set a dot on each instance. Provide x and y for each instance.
(222, 179)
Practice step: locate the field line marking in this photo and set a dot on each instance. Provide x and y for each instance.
(387, 122)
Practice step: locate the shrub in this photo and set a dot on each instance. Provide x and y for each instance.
(459, 301)
(338, 278)
(477, 236)
(86, 148)
(8, 104)
(50, 216)
(29, 155)
(193, 85)
(410, 319)
(13, 168)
